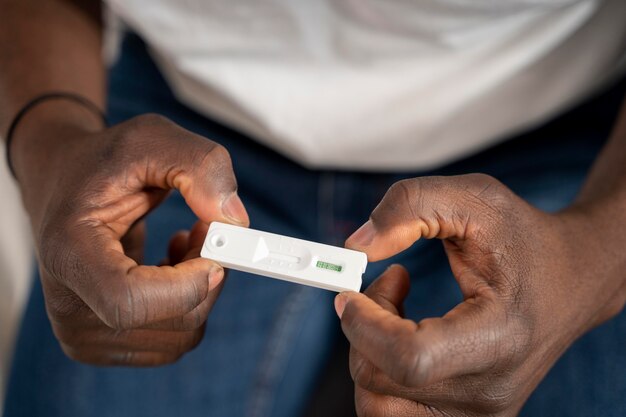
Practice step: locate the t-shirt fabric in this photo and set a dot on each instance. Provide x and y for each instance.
(380, 84)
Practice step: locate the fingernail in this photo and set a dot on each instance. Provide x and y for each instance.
(340, 304)
(233, 208)
(364, 235)
(216, 275)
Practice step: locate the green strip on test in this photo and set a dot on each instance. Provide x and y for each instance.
(329, 266)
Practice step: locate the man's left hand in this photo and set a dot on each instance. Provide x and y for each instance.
(530, 289)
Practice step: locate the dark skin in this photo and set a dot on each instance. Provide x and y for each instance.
(91, 189)
(532, 282)
(528, 285)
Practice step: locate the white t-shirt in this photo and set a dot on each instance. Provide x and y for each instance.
(380, 84)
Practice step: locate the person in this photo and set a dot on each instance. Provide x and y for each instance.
(459, 133)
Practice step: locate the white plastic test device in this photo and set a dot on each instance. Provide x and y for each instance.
(286, 258)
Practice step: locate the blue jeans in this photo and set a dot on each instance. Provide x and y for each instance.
(267, 341)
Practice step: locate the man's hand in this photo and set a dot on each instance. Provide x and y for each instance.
(86, 199)
(530, 289)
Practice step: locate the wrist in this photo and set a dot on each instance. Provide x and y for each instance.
(47, 141)
(594, 233)
(44, 134)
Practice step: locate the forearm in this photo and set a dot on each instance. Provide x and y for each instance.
(599, 213)
(607, 179)
(48, 45)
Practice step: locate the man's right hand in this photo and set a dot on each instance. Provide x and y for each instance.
(86, 192)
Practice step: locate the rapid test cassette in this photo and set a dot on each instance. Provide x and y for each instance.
(271, 255)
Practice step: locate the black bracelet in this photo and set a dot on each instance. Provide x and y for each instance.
(55, 95)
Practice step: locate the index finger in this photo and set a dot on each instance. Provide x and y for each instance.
(430, 207)
(126, 295)
(159, 153)
(417, 354)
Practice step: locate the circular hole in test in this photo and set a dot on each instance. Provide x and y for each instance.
(218, 241)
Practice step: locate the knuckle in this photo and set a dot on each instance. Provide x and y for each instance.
(213, 161)
(480, 180)
(362, 372)
(119, 307)
(185, 323)
(489, 204)
(180, 343)
(398, 188)
(110, 316)
(415, 362)
(406, 191)
(219, 152)
(149, 120)
(489, 191)
(214, 156)
(190, 341)
(402, 201)
(68, 335)
(196, 318)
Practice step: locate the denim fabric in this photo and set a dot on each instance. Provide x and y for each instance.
(268, 341)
